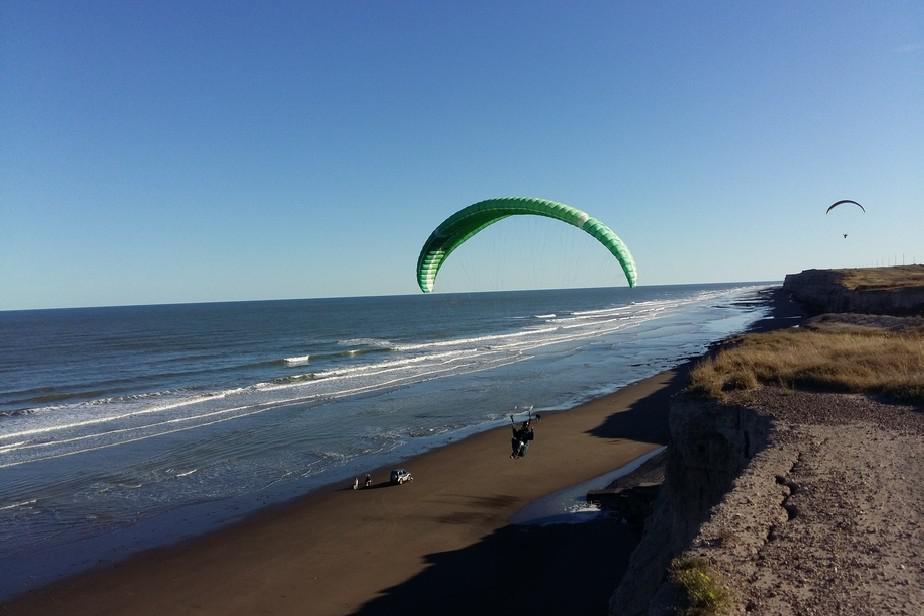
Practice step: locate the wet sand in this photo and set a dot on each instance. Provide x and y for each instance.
(440, 543)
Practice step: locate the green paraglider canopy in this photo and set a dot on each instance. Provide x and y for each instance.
(465, 223)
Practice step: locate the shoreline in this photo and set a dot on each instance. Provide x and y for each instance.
(338, 550)
(341, 551)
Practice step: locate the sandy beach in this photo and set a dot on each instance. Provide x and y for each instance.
(382, 550)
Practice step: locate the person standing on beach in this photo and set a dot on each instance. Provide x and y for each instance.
(368, 480)
(356, 483)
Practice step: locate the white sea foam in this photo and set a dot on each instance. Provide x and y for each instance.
(374, 367)
(583, 508)
(296, 361)
(44, 428)
(250, 411)
(19, 504)
(470, 354)
(474, 340)
(10, 446)
(601, 310)
(380, 343)
(522, 340)
(332, 375)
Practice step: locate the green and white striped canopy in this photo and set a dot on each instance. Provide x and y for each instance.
(465, 223)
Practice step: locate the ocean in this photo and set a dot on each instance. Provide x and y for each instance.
(126, 428)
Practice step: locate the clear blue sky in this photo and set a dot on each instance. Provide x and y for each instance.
(202, 151)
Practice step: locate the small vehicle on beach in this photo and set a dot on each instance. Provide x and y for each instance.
(399, 476)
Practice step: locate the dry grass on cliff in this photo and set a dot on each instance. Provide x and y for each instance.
(884, 277)
(834, 357)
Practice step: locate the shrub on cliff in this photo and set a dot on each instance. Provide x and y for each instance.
(702, 594)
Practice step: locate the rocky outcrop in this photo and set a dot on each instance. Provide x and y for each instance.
(829, 291)
(710, 446)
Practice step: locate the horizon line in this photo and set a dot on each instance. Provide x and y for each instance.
(295, 299)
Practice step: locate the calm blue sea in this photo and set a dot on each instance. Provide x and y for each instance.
(125, 428)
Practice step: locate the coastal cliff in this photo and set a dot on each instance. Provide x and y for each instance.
(895, 290)
(795, 481)
(790, 502)
(710, 446)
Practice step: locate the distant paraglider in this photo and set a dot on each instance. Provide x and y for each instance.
(834, 205)
(843, 201)
(467, 222)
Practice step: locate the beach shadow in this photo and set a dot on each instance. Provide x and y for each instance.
(361, 488)
(558, 569)
(646, 419)
(783, 311)
(485, 506)
(375, 486)
(497, 501)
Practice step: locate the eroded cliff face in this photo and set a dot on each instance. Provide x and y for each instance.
(795, 502)
(825, 291)
(710, 446)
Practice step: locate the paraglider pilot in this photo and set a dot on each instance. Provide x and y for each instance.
(519, 443)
